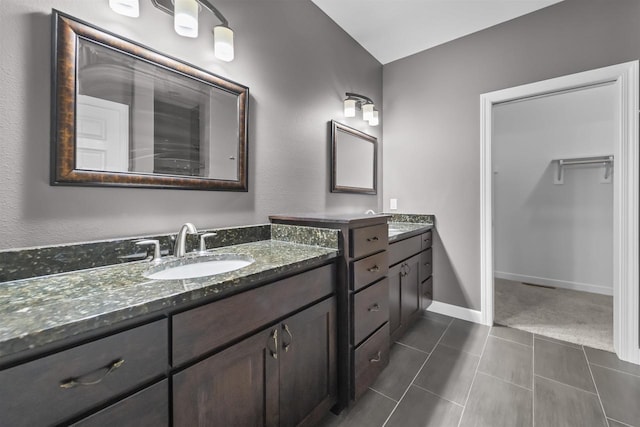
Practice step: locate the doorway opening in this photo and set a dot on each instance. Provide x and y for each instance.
(550, 250)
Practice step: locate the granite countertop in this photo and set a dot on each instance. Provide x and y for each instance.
(404, 230)
(43, 310)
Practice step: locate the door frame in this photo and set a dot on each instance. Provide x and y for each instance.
(626, 188)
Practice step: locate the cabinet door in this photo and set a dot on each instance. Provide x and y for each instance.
(395, 273)
(410, 290)
(308, 377)
(236, 387)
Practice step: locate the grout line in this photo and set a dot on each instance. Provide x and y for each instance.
(413, 348)
(416, 375)
(504, 381)
(475, 375)
(557, 341)
(437, 395)
(382, 394)
(511, 341)
(606, 420)
(564, 384)
(533, 381)
(615, 370)
(618, 421)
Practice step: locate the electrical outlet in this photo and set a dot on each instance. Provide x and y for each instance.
(393, 204)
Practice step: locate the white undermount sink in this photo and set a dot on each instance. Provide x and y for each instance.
(202, 266)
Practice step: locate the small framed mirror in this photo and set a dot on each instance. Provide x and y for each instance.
(354, 159)
(126, 115)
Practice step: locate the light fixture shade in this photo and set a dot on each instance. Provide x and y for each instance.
(374, 120)
(185, 17)
(223, 43)
(129, 8)
(350, 107)
(367, 111)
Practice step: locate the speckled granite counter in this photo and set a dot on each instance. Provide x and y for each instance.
(404, 230)
(43, 310)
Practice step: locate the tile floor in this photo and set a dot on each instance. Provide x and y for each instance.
(447, 372)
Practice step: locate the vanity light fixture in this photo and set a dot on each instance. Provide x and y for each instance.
(369, 113)
(185, 20)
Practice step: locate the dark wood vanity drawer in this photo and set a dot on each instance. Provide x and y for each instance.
(426, 264)
(426, 240)
(211, 326)
(404, 249)
(369, 269)
(52, 389)
(426, 293)
(368, 240)
(370, 358)
(370, 309)
(147, 408)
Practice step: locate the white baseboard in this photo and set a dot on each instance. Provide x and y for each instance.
(585, 287)
(456, 311)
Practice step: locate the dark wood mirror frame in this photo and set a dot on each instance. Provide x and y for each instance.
(66, 33)
(337, 187)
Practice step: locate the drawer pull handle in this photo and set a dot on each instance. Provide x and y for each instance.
(286, 329)
(374, 307)
(274, 337)
(377, 358)
(373, 269)
(75, 382)
(372, 239)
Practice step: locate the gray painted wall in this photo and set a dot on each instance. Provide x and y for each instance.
(295, 60)
(432, 116)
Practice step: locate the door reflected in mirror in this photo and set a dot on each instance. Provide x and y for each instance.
(126, 115)
(354, 160)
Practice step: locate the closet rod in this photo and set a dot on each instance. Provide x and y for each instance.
(606, 161)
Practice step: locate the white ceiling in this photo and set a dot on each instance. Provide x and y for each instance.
(393, 29)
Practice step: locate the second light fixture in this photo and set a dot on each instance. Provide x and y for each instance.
(353, 101)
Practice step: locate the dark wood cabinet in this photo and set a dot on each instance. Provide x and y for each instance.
(410, 281)
(282, 376)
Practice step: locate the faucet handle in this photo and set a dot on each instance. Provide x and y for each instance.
(156, 248)
(203, 238)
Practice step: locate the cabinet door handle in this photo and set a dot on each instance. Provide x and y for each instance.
(374, 307)
(287, 345)
(373, 269)
(77, 381)
(274, 337)
(372, 239)
(376, 358)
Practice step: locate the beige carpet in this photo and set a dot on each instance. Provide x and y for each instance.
(578, 317)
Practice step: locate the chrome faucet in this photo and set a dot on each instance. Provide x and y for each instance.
(181, 238)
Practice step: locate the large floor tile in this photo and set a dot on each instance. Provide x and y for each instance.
(437, 317)
(558, 404)
(515, 335)
(495, 403)
(424, 334)
(404, 364)
(509, 361)
(610, 360)
(466, 336)
(448, 373)
(372, 409)
(620, 394)
(562, 363)
(420, 408)
(614, 423)
(557, 341)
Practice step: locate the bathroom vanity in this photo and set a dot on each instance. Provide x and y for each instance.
(107, 346)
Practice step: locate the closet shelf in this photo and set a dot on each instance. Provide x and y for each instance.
(606, 161)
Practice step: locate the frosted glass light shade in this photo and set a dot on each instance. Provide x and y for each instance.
(374, 120)
(367, 111)
(349, 107)
(129, 8)
(185, 17)
(223, 43)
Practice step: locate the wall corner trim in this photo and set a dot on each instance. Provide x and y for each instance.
(456, 311)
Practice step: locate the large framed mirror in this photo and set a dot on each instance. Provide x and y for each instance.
(126, 115)
(354, 159)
